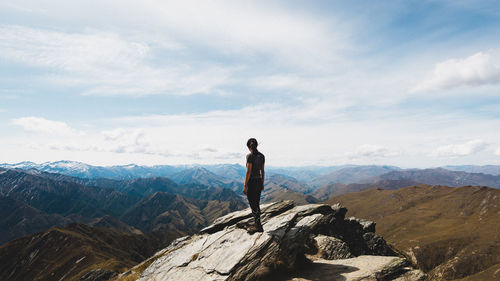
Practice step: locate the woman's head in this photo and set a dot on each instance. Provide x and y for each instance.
(252, 144)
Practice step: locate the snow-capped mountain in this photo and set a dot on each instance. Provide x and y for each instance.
(83, 170)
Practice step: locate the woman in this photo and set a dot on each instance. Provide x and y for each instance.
(254, 183)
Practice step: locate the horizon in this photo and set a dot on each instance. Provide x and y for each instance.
(322, 83)
(269, 166)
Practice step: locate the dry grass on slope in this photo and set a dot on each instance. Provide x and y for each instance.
(451, 233)
(70, 252)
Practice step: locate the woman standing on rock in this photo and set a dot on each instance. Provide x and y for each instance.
(254, 182)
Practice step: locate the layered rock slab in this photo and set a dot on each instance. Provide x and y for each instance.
(225, 251)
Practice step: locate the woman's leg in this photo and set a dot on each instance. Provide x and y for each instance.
(253, 195)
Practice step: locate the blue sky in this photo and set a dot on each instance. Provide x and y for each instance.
(407, 83)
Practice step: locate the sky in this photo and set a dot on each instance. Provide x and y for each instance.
(405, 83)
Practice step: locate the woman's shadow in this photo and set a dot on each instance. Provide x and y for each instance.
(318, 271)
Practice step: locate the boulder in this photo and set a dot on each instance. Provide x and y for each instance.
(332, 248)
(368, 226)
(376, 245)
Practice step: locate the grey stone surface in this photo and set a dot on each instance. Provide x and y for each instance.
(365, 268)
(268, 210)
(226, 251)
(332, 248)
(368, 226)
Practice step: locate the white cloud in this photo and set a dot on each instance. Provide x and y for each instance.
(371, 151)
(42, 125)
(497, 151)
(284, 134)
(458, 150)
(140, 142)
(265, 114)
(476, 70)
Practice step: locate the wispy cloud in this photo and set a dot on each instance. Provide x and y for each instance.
(372, 152)
(188, 47)
(479, 69)
(148, 141)
(104, 63)
(45, 126)
(255, 28)
(247, 29)
(462, 149)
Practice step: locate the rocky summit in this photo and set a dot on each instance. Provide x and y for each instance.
(308, 242)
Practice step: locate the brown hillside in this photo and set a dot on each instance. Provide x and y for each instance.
(72, 251)
(335, 189)
(451, 233)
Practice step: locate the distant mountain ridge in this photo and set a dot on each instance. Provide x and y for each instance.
(356, 174)
(485, 169)
(440, 176)
(82, 170)
(320, 182)
(229, 171)
(129, 171)
(200, 175)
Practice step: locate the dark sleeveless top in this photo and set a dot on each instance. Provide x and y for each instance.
(257, 159)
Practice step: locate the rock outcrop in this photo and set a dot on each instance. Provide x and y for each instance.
(295, 240)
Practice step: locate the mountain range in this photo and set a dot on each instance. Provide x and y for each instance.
(43, 200)
(312, 181)
(159, 203)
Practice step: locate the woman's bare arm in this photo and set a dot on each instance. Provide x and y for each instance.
(247, 177)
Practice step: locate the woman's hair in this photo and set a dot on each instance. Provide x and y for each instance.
(252, 144)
